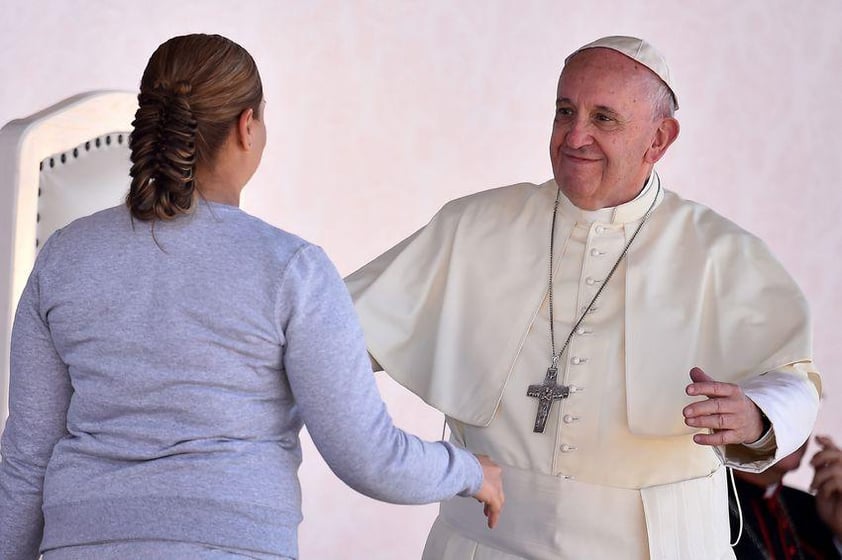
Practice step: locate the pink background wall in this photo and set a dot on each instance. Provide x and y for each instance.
(379, 112)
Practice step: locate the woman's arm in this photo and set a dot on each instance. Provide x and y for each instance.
(331, 377)
(39, 394)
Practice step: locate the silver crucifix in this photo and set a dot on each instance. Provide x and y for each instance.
(547, 393)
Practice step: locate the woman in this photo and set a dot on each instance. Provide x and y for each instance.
(166, 352)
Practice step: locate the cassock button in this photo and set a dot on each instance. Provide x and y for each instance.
(599, 229)
(576, 360)
(564, 448)
(590, 281)
(569, 418)
(596, 253)
(580, 331)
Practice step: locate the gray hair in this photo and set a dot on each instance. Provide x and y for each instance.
(663, 102)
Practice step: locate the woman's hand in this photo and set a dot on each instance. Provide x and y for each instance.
(491, 491)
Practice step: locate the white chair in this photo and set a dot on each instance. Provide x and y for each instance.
(57, 165)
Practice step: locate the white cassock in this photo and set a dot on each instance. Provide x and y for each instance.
(458, 313)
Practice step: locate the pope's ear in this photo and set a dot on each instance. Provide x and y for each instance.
(665, 135)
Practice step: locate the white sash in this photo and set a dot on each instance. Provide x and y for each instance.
(553, 518)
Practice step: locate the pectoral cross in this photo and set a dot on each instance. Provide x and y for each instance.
(547, 393)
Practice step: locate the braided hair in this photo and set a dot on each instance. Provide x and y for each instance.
(192, 92)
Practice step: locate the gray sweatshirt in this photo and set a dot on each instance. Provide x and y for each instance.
(160, 376)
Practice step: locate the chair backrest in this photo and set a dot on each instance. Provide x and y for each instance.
(57, 165)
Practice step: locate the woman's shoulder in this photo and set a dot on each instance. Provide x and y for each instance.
(99, 225)
(259, 234)
(274, 246)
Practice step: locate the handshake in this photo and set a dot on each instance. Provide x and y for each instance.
(491, 491)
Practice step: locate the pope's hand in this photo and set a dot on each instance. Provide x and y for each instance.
(732, 417)
(827, 482)
(491, 491)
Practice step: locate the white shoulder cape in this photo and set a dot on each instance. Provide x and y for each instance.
(446, 311)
